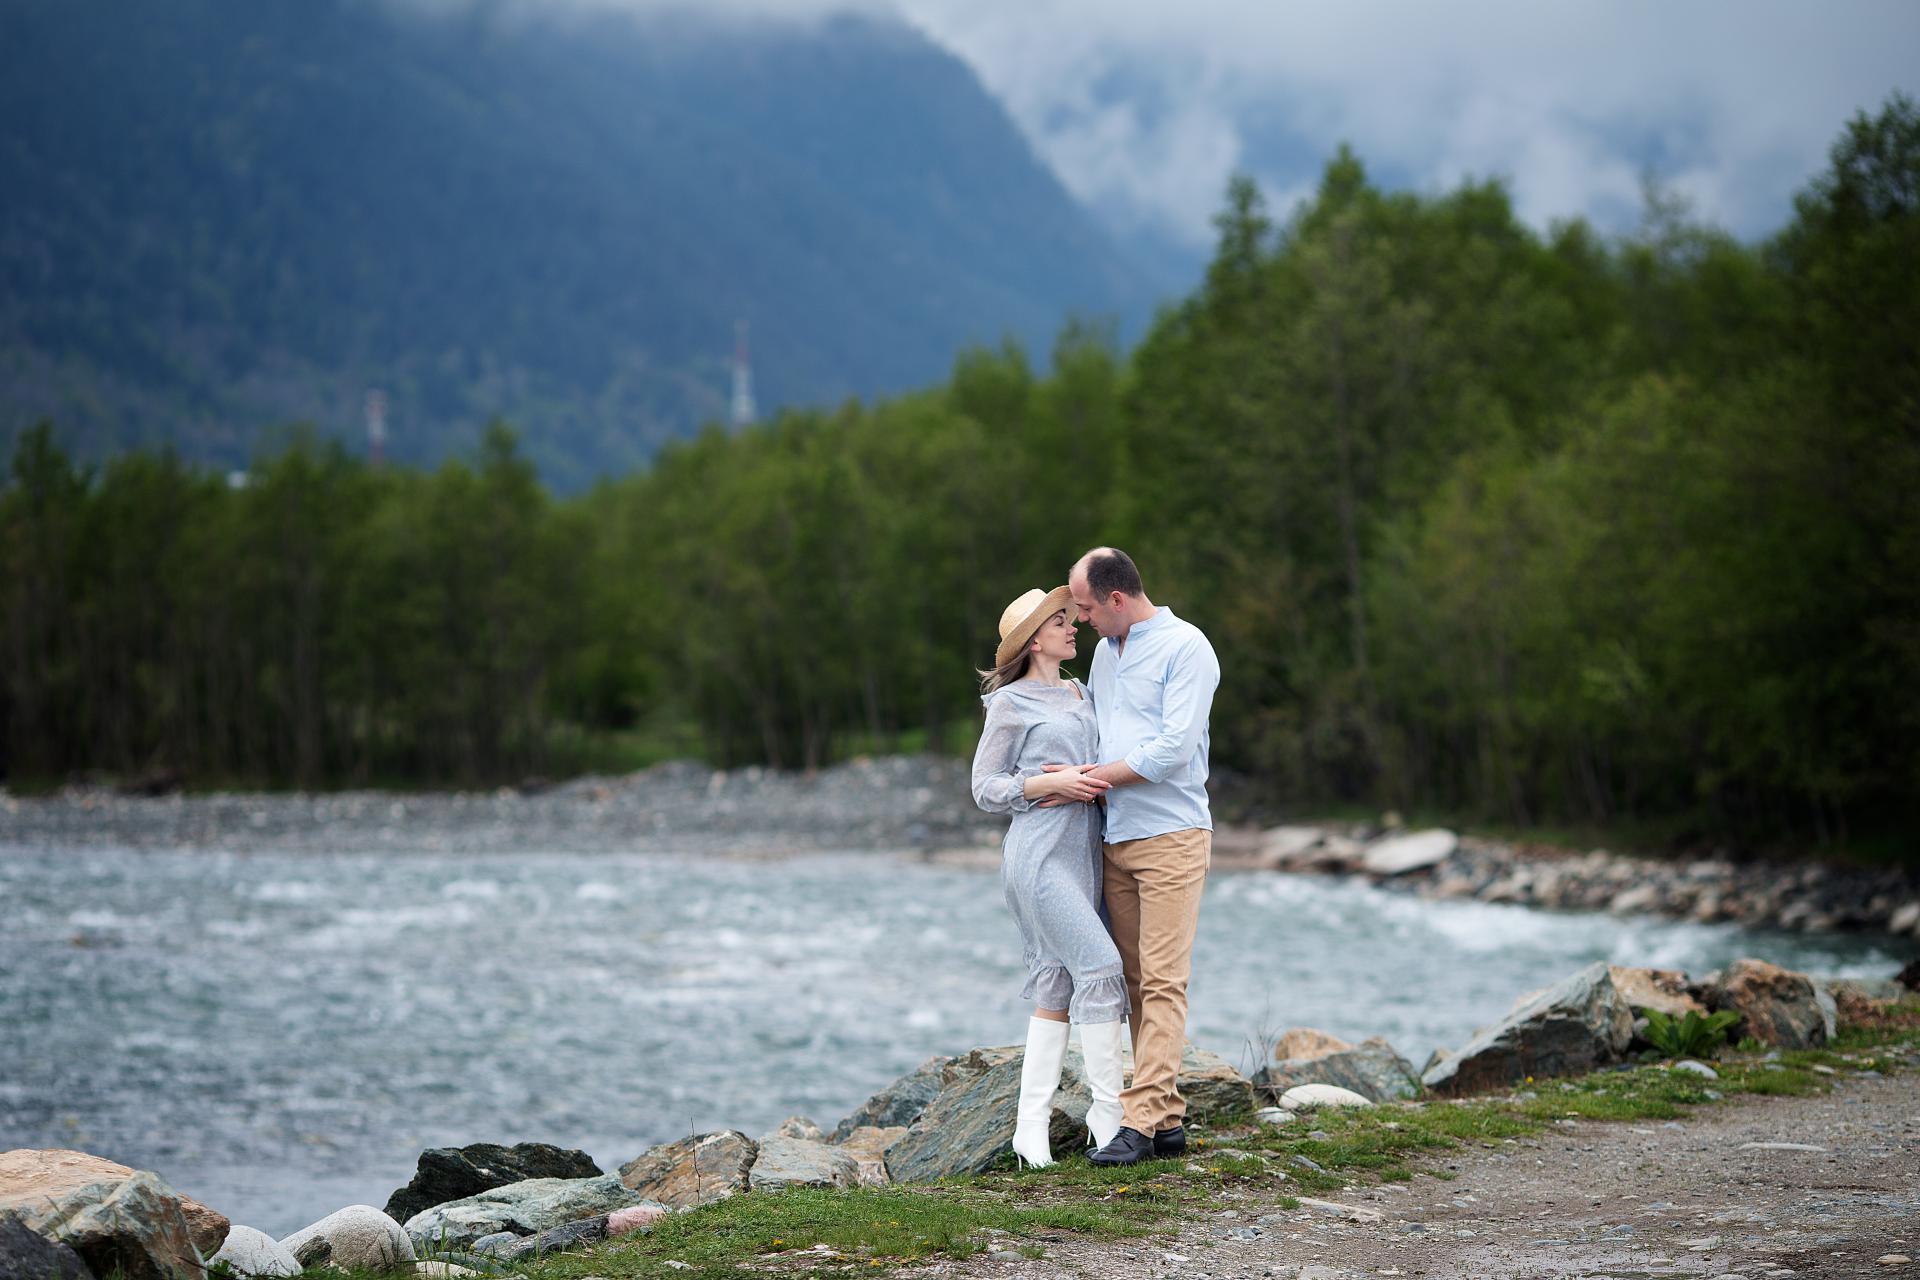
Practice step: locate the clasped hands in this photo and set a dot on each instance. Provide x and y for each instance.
(1070, 784)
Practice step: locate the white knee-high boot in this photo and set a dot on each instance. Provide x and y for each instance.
(1100, 1044)
(1039, 1077)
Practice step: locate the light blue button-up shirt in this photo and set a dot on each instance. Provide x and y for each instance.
(1152, 702)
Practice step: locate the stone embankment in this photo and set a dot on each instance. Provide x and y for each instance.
(894, 802)
(1441, 865)
(73, 1216)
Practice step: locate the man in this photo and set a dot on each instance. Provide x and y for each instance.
(1153, 679)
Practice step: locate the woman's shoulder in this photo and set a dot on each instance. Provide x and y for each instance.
(1027, 698)
(1005, 700)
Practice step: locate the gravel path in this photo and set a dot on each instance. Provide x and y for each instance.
(1588, 1200)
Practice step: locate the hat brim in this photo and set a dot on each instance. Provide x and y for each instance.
(1015, 640)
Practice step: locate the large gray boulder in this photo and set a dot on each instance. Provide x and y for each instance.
(134, 1226)
(1416, 851)
(32, 1177)
(1776, 1006)
(251, 1252)
(1212, 1087)
(454, 1173)
(800, 1162)
(900, 1103)
(1371, 1069)
(692, 1171)
(970, 1121)
(524, 1208)
(25, 1254)
(356, 1236)
(1573, 1026)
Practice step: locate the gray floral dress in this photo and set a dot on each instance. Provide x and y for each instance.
(1051, 859)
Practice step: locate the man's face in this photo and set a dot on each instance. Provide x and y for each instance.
(1106, 616)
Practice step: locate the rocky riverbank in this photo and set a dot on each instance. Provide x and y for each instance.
(72, 1216)
(1811, 897)
(922, 803)
(896, 802)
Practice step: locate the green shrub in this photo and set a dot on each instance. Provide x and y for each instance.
(1690, 1037)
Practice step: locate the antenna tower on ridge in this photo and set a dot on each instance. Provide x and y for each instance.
(743, 410)
(376, 426)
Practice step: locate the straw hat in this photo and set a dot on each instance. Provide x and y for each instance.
(1024, 616)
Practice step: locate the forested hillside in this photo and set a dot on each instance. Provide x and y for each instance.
(223, 216)
(1529, 528)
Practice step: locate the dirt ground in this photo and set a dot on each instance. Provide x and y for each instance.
(1585, 1199)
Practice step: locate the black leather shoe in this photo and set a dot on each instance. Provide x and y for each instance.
(1170, 1142)
(1129, 1146)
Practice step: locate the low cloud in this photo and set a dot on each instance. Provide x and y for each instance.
(1734, 104)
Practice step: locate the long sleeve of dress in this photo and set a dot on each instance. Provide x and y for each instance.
(998, 780)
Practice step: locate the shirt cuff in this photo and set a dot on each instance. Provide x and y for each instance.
(1142, 763)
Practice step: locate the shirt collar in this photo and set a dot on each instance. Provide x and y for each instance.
(1161, 614)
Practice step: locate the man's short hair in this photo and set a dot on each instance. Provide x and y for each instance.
(1110, 569)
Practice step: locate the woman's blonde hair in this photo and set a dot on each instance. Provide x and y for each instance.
(1006, 673)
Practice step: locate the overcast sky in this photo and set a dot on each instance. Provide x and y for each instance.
(1144, 107)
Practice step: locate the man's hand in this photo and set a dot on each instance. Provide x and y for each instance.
(1117, 774)
(1070, 784)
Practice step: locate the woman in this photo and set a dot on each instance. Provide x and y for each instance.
(1051, 862)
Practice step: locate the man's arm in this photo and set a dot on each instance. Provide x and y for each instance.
(1184, 708)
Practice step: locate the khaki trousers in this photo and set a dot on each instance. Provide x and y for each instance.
(1153, 903)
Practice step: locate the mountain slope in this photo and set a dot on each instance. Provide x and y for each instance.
(225, 215)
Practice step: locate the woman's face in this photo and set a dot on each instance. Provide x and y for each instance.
(1055, 638)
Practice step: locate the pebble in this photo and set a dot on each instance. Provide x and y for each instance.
(1893, 1259)
(1700, 1069)
(1780, 1146)
(1352, 1213)
(1701, 1246)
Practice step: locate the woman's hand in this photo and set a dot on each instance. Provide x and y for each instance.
(1067, 784)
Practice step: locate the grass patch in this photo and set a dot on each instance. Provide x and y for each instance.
(840, 1233)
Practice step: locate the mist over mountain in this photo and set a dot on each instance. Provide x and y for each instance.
(226, 216)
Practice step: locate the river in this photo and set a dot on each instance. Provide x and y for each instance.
(280, 1034)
